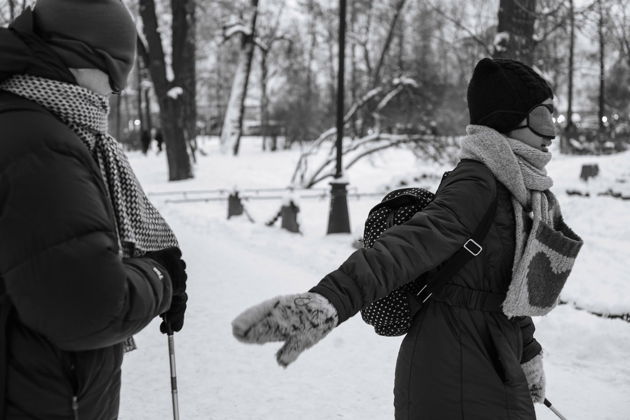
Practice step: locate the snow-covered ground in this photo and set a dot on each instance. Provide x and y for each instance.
(349, 375)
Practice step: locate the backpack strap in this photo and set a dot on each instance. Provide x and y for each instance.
(471, 248)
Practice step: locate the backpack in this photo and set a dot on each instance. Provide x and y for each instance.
(393, 314)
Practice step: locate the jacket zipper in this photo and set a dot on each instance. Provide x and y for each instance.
(75, 407)
(75, 387)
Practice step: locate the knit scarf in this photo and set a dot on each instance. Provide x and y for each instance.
(140, 226)
(545, 248)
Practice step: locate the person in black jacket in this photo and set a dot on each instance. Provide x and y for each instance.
(470, 352)
(85, 260)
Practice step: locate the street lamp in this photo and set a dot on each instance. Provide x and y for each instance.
(338, 220)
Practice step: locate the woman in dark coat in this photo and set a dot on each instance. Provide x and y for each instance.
(85, 260)
(468, 354)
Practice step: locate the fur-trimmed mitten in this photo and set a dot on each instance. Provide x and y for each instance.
(535, 375)
(298, 320)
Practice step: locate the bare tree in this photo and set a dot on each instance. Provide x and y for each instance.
(265, 43)
(602, 68)
(376, 73)
(233, 122)
(570, 127)
(621, 27)
(170, 93)
(184, 65)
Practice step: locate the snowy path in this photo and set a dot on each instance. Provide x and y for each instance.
(349, 375)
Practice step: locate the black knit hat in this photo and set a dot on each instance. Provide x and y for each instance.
(98, 34)
(501, 91)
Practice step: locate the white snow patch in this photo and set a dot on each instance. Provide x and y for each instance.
(405, 80)
(175, 92)
(500, 39)
(236, 28)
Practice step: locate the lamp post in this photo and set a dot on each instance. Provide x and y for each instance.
(338, 220)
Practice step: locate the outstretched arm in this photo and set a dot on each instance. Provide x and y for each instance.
(399, 256)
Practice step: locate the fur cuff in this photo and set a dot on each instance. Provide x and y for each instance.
(535, 375)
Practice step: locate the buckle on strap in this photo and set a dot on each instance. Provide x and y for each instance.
(473, 247)
(425, 298)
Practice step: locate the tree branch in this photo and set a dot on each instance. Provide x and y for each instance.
(457, 23)
(388, 41)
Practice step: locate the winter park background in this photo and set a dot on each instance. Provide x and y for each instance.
(215, 77)
(349, 375)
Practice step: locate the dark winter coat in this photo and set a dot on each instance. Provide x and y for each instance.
(75, 300)
(67, 299)
(457, 361)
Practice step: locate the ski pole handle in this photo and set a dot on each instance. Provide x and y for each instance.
(556, 412)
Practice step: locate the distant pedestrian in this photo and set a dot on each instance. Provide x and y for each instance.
(159, 139)
(85, 260)
(145, 140)
(470, 352)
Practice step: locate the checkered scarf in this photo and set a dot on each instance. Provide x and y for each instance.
(140, 226)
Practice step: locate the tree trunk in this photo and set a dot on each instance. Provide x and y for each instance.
(11, 10)
(401, 49)
(139, 103)
(171, 105)
(233, 123)
(264, 120)
(515, 31)
(570, 128)
(147, 110)
(602, 75)
(218, 92)
(353, 66)
(312, 31)
(184, 66)
(332, 86)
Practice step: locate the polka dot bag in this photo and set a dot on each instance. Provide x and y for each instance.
(391, 316)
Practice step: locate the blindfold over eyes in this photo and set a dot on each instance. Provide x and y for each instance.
(540, 121)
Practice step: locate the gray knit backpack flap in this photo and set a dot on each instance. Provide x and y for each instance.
(392, 315)
(548, 257)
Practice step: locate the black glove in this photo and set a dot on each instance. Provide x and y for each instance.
(171, 260)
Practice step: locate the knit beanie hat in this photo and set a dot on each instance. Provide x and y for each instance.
(502, 91)
(98, 34)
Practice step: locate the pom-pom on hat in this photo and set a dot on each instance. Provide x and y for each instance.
(502, 91)
(98, 34)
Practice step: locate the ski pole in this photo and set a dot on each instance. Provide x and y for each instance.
(556, 412)
(171, 354)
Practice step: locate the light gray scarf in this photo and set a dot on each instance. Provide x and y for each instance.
(521, 168)
(545, 247)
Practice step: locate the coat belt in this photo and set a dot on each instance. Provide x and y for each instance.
(465, 297)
